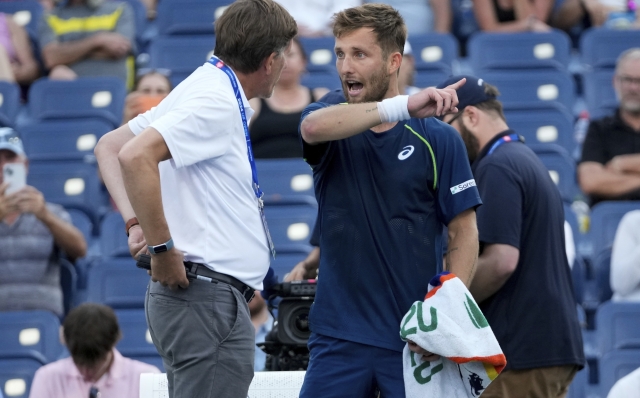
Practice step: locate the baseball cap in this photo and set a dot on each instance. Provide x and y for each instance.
(9, 139)
(473, 91)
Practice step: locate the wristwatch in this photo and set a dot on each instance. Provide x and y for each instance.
(161, 248)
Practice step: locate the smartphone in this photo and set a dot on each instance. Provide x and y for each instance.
(16, 175)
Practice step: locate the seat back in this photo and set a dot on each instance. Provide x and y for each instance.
(602, 265)
(615, 365)
(118, 283)
(181, 54)
(562, 169)
(434, 51)
(189, 17)
(320, 52)
(16, 376)
(136, 339)
(599, 93)
(26, 13)
(600, 47)
(618, 326)
(527, 50)
(113, 240)
(551, 124)
(605, 217)
(30, 334)
(284, 180)
(291, 226)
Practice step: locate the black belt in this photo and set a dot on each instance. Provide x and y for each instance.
(202, 270)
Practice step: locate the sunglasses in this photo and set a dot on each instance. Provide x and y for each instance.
(457, 116)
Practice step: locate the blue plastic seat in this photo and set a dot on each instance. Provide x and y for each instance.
(83, 222)
(605, 217)
(291, 227)
(286, 181)
(600, 48)
(180, 54)
(136, 340)
(16, 376)
(614, 365)
(9, 102)
(113, 240)
(320, 52)
(533, 87)
(491, 51)
(578, 387)
(602, 266)
(32, 334)
(69, 183)
(434, 51)
(562, 169)
(430, 77)
(63, 140)
(548, 124)
(618, 326)
(155, 360)
(189, 17)
(26, 13)
(85, 97)
(322, 79)
(599, 93)
(118, 283)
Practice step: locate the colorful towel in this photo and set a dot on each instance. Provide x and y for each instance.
(450, 324)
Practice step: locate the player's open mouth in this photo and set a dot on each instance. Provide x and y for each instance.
(355, 87)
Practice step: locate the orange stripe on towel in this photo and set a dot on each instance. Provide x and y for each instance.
(443, 279)
(497, 361)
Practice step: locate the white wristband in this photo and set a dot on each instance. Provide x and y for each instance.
(394, 109)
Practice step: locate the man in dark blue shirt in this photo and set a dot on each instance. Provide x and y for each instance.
(388, 179)
(523, 281)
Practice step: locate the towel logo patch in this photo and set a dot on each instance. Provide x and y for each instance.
(475, 384)
(461, 187)
(406, 152)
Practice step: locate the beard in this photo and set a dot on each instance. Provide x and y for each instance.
(632, 107)
(376, 87)
(470, 141)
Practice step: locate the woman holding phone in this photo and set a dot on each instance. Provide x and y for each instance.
(151, 88)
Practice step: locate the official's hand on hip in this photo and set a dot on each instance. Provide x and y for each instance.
(137, 243)
(168, 269)
(426, 355)
(435, 101)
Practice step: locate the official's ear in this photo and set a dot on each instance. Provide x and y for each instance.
(471, 114)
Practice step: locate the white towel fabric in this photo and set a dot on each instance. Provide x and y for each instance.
(450, 324)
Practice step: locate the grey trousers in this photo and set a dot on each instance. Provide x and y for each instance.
(205, 337)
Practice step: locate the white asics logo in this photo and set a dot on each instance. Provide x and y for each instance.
(406, 152)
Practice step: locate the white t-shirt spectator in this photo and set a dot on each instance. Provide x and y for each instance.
(314, 16)
(207, 194)
(625, 259)
(627, 387)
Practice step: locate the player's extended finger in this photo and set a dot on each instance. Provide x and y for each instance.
(454, 97)
(446, 102)
(439, 103)
(457, 84)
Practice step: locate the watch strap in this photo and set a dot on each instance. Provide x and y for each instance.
(161, 248)
(132, 221)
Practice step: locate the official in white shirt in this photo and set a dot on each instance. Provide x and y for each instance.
(182, 176)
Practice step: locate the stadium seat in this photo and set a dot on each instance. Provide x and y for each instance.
(9, 102)
(531, 87)
(491, 51)
(113, 240)
(605, 217)
(284, 263)
(118, 283)
(618, 326)
(189, 17)
(136, 340)
(318, 79)
(26, 13)
(69, 183)
(85, 97)
(33, 334)
(16, 376)
(291, 227)
(180, 54)
(69, 284)
(430, 77)
(599, 93)
(82, 221)
(602, 267)
(155, 360)
(600, 47)
(615, 365)
(547, 124)
(286, 181)
(434, 51)
(578, 387)
(578, 276)
(63, 140)
(320, 52)
(562, 169)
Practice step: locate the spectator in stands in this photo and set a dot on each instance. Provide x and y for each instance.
(33, 233)
(88, 38)
(17, 63)
(614, 13)
(625, 259)
(513, 15)
(423, 16)
(610, 164)
(522, 258)
(151, 6)
(314, 16)
(626, 387)
(274, 125)
(407, 72)
(90, 332)
(151, 88)
(262, 322)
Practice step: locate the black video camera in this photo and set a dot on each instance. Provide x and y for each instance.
(286, 344)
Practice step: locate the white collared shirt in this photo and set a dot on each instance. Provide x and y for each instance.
(207, 193)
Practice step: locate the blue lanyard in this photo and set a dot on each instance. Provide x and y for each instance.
(502, 140)
(236, 90)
